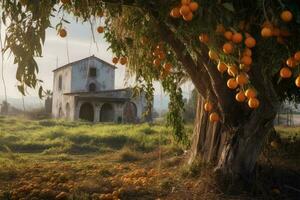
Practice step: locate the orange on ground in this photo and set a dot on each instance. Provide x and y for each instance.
(175, 13)
(228, 35)
(204, 38)
(247, 52)
(213, 55)
(286, 16)
(123, 60)
(291, 62)
(250, 42)
(208, 106)
(100, 29)
(232, 84)
(253, 103)
(242, 79)
(222, 67)
(246, 60)
(250, 93)
(227, 48)
(266, 32)
(156, 62)
(185, 10)
(237, 38)
(240, 96)
(193, 6)
(297, 81)
(115, 60)
(297, 56)
(62, 33)
(214, 117)
(285, 72)
(232, 70)
(188, 17)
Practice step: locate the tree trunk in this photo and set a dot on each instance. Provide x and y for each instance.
(233, 150)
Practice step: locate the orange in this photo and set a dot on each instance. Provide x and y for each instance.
(291, 62)
(247, 52)
(237, 38)
(213, 55)
(123, 60)
(227, 48)
(100, 29)
(193, 6)
(242, 79)
(156, 52)
(232, 84)
(253, 103)
(161, 55)
(286, 16)
(168, 67)
(188, 17)
(175, 13)
(285, 72)
(232, 70)
(185, 2)
(228, 35)
(246, 60)
(204, 38)
(208, 106)
(115, 60)
(240, 96)
(297, 81)
(185, 10)
(156, 62)
(266, 32)
(220, 29)
(62, 33)
(222, 67)
(297, 56)
(214, 117)
(250, 42)
(250, 93)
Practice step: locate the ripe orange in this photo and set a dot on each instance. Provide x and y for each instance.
(297, 56)
(247, 52)
(115, 60)
(193, 6)
(175, 13)
(214, 117)
(227, 48)
(208, 106)
(161, 55)
(185, 10)
(188, 17)
(232, 84)
(220, 29)
(62, 33)
(168, 67)
(185, 2)
(204, 38)
(222, 67)
(213, 55)
(285, 72)
(286, 16)
(242, 79)
(228, 35)
(253, 103)
(266, 32)
(100, 29)
(240, 96)
(250, 93)
(297, 81)
(232, 70)
(291, 62)
(250, 42)
(237, 38)
(246, 60)
(123, 60)
(156, 62)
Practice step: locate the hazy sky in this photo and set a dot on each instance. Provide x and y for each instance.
(80, 45)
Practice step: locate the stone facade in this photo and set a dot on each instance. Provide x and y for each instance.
(85, 90)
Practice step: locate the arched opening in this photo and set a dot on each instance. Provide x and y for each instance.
(107, 113)
(60, 113)
(130, 112)
(86, 112)
(92, 87)
(68, 111)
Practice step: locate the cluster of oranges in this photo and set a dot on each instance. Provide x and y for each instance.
(160, 57)
(291, 63)
(122, 60)
(185, 10)
(214, 116)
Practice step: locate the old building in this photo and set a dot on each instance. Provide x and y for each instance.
(85, 90)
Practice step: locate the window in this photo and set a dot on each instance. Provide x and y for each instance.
(60, 82)
(93, 72)
(92, 87)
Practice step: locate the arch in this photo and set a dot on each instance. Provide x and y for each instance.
(68, 111)
(92, 87)
(130, 112)
(86, 112)
(60, 112)
(107, 113)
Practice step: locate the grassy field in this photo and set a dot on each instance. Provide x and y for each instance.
(51, 159)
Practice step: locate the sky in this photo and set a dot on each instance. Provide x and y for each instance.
(80, 45)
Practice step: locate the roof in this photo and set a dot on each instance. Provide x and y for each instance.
(100, 60)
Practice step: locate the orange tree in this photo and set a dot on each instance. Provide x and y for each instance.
(242, 57)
